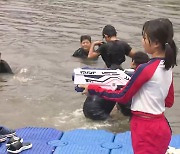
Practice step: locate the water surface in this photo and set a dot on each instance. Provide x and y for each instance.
(37, 39)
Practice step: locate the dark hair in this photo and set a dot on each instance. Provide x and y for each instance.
(85, 37)
(140, 57)
(109, 30)
(161, 30)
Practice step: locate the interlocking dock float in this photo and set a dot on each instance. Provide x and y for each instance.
(78, 141)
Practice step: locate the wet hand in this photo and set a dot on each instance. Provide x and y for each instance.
(85, 86)
(98, 42)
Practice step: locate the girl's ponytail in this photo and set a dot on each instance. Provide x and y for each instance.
(161, 30)
(170, 55)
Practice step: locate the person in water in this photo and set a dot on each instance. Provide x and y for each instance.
(150, 88)
(97, 108)
(85, 42)
(4, 66)
(138, 58)
(114, 51)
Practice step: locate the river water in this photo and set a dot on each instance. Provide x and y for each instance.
(37, 39)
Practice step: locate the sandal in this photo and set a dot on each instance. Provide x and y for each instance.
(17, 147)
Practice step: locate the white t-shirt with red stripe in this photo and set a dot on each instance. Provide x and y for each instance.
(150, 88)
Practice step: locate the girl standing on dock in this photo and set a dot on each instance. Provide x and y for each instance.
(150, 88)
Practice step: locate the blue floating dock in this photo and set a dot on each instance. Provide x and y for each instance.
(78, 141)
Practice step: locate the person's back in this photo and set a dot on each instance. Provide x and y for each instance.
(113, 53)
(157, 87)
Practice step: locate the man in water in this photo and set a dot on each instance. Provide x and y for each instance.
(113, 51)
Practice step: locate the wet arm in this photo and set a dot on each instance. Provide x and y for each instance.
(131, 53)
(92, 53)
(140, 77)
(125, 94)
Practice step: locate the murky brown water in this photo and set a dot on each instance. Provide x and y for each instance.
(37, 39)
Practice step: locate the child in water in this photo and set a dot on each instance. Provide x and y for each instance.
(150, 88)
(138, 58)
(82, 52)
(97, 108)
